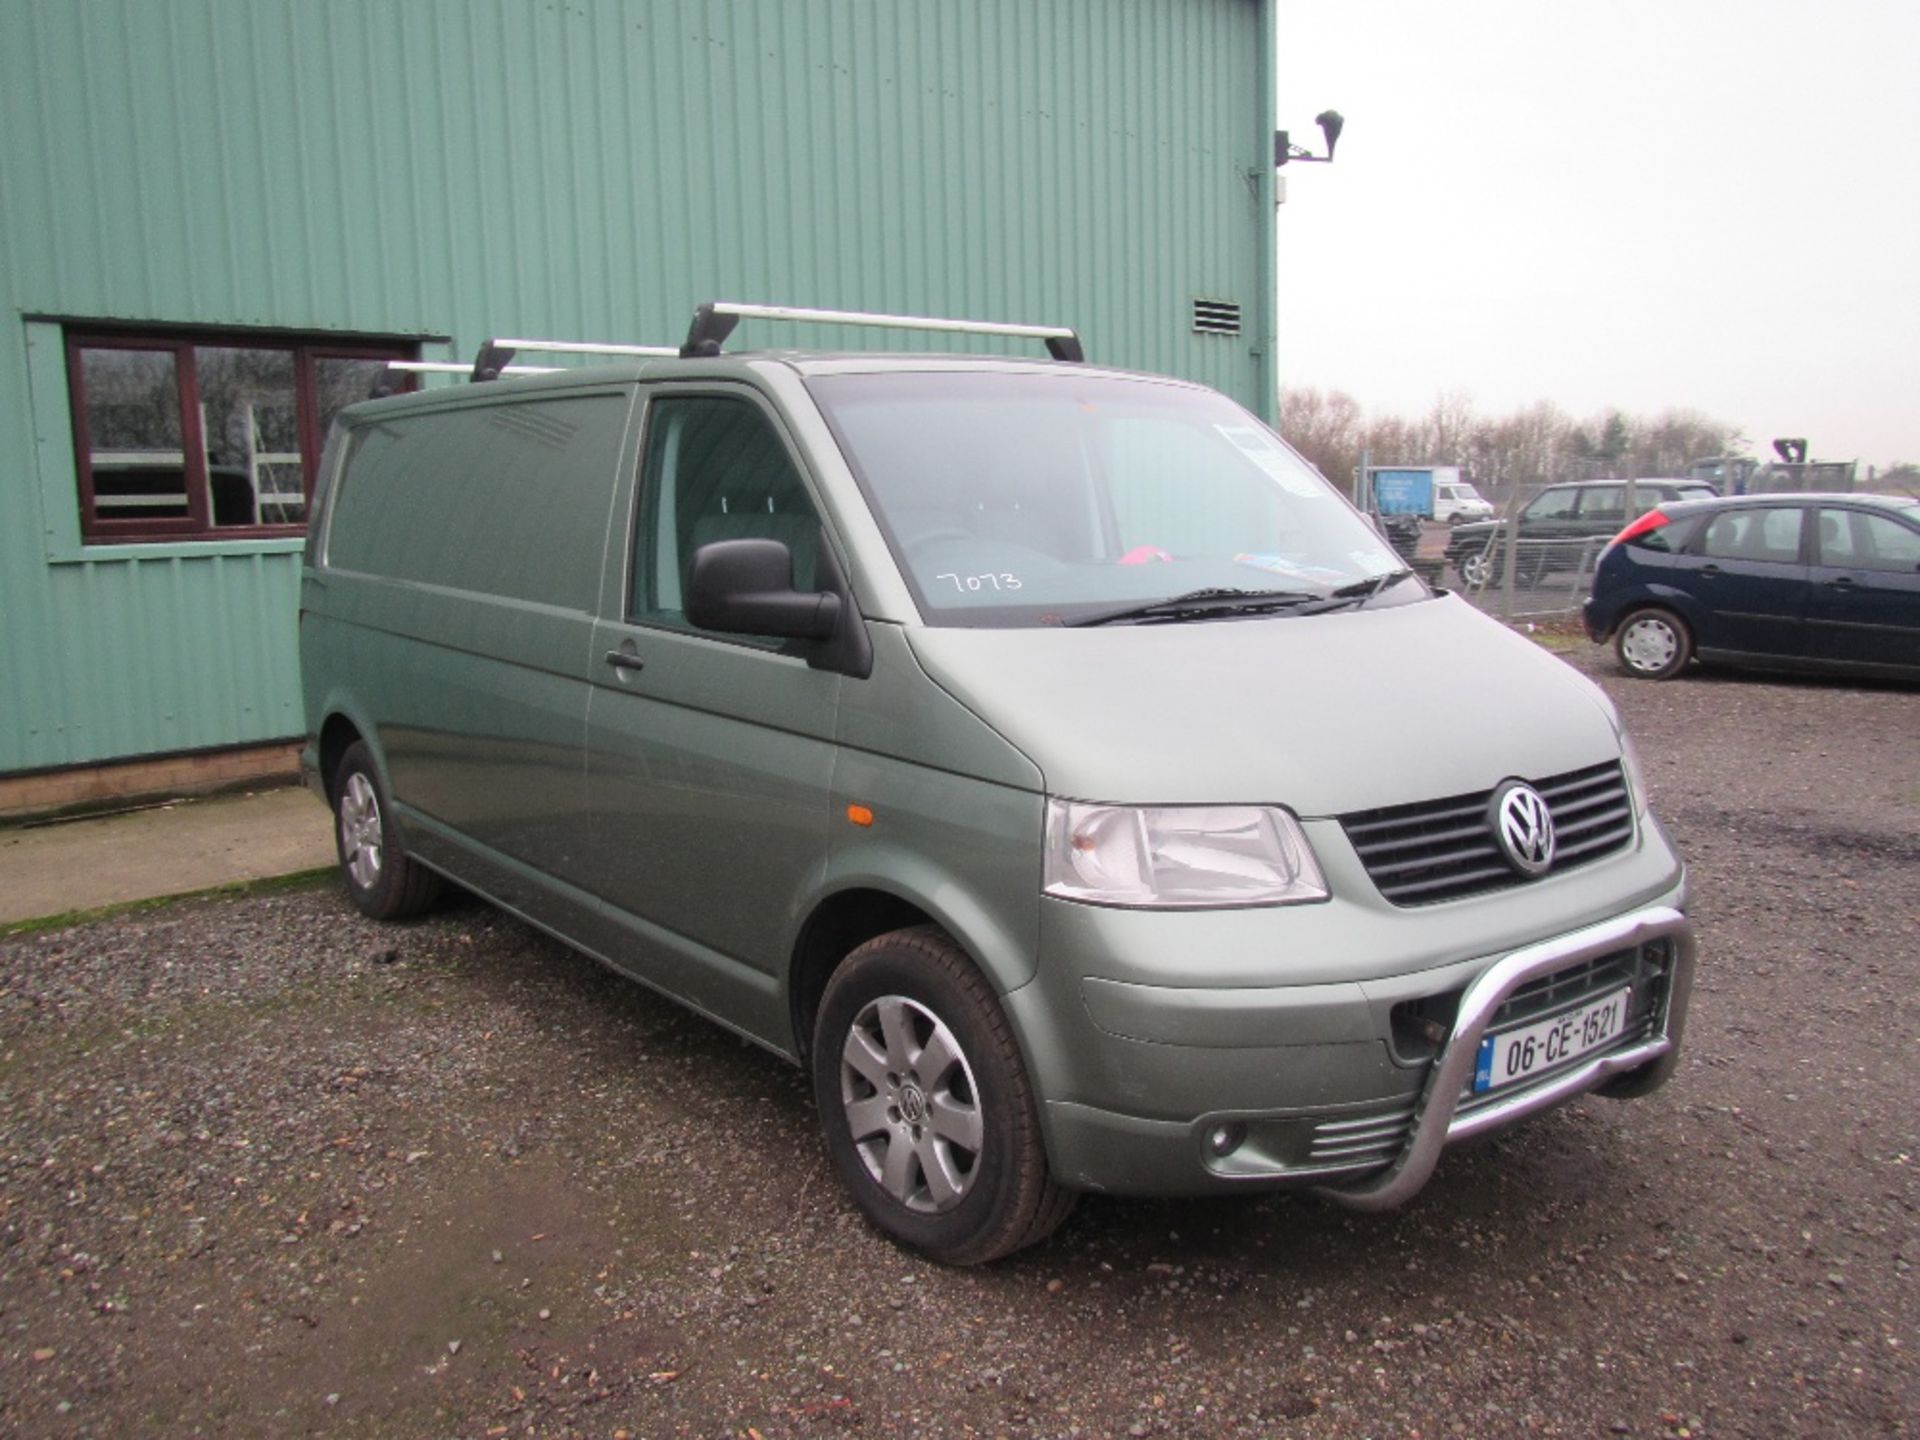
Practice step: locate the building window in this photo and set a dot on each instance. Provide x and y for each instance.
(208, 435)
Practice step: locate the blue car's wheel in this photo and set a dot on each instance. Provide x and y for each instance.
(1653, 644)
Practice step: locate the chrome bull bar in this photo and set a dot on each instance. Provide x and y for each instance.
(1434, 1120)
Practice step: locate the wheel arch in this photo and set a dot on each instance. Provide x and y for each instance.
(863, 907)
(337, 735)
(1626, 600)
(839, 924)
(1669, 597)
(343, 722)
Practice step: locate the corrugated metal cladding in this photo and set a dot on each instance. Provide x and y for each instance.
(581, 168)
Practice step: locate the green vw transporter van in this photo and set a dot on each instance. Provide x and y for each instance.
(1039, 754)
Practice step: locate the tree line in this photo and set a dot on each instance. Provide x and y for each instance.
(1535, 445)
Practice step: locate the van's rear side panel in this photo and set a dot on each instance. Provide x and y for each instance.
(450, 616)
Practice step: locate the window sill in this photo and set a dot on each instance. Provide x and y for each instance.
(86, 554)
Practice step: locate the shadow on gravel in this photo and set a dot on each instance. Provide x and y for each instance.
(1533, 1188)
(336, 1178)
(1740, 677)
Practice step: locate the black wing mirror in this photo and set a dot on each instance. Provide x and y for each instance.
(745, 587)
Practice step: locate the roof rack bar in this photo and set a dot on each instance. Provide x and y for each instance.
(583, 347)
(391, 381)
(491, 362)
(453, 367)
(714, 321)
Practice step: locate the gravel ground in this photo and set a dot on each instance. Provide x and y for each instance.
(267, 1168)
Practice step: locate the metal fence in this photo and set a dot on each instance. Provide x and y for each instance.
(1535, 580)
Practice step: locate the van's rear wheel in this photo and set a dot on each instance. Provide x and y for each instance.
(382, 881)
(928, 1114)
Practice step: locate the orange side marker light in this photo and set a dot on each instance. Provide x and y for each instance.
(859, 814)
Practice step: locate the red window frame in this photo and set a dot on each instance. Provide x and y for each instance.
(180, 342)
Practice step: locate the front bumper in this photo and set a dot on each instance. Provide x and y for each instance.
(1648, 1060)
(1310, 1082)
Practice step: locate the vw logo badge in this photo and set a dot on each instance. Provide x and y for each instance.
(1523, 825)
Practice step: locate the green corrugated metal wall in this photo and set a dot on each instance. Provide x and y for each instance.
(585, 168)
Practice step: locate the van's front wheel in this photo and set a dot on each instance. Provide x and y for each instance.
(928, 1113)
(381, 880)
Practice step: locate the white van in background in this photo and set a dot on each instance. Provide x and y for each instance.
(1457, 500)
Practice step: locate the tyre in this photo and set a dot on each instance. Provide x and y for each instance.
(382, 881)
(1653, 644)
(928, 1114)
(1476, 569)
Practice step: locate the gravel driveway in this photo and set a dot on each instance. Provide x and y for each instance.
(267, 1168)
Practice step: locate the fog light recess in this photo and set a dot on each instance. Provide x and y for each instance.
(1223, 1140)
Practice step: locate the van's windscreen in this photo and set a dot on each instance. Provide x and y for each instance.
(1024, 499)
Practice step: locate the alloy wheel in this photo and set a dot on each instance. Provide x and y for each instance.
(913, 1111)
(361, 844)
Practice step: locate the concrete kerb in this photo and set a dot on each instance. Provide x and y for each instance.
(79, 866)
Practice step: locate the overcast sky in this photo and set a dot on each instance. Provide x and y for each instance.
(1707, 204)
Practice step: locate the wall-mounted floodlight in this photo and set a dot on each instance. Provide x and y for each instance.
(1330, 125)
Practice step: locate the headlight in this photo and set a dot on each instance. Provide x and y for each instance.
(1629, 757)
(1636, 777)
(1179, 856)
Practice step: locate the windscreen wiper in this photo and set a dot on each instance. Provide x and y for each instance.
(1203, 604)
(1360, 591)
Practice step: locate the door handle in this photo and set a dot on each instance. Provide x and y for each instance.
(622, 660)
(1841, 582)
(1709, 570)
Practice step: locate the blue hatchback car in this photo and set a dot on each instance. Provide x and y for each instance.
(1804, 582)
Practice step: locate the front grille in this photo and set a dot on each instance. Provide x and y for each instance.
(1444, 849)
(1564, 989)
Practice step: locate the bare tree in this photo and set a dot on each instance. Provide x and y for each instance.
(1531, 446)
(1672, 440)
(1324, 426)
(1528, 447)
(1450, 427)
(1395, 440)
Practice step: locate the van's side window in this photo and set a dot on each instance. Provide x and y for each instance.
(715, 469)
(509, 503)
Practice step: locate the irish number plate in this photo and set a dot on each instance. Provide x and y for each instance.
(1515, 1055)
